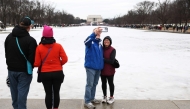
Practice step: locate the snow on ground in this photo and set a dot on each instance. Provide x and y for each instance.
(154, 65)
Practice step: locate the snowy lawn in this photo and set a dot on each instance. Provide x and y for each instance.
(154, 65)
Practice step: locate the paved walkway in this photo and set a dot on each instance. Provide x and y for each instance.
(118, 104)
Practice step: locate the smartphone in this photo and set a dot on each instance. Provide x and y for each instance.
(104, 29)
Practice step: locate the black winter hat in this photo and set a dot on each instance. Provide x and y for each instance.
(109, 38)
(26, 21)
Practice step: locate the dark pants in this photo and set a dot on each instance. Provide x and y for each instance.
(104, 84)
(19, 86)
(52, 80)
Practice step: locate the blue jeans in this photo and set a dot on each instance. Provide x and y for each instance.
(92, 81)
(19, 87)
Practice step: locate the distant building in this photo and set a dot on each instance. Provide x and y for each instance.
(94, 19)
(78, 18)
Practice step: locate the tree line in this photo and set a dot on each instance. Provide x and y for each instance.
(11, 11)
(147, 12)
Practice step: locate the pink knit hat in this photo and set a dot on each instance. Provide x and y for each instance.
(47, 32)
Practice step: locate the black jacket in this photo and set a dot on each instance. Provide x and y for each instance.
(14, 59)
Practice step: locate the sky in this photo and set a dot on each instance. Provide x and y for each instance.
(105, 8)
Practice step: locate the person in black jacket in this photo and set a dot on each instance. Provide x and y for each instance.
(16, 63)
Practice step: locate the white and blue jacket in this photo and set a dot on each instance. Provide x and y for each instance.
(93, 53)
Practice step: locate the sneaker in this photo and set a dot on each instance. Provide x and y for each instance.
(104, 100)
(110, 100)
(95, 101)
(89, 105)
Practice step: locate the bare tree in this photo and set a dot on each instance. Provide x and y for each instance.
(4, 6)
(49, 13)
(144, 9)
(11, 11)
(183, 4)
(163, 11)
(132, 17)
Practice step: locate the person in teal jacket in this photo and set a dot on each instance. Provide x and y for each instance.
(93, 64)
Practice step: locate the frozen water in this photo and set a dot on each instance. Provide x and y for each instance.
(154, 65)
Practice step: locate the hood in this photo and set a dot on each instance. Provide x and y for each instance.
(19, 32)
(109, 38)
(47, 40)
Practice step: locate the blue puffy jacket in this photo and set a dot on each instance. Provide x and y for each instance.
(93, 53)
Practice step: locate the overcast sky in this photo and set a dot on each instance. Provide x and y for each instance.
(105, 8)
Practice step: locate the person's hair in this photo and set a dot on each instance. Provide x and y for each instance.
(23, 26)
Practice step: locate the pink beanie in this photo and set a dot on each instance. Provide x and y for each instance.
(47, 32)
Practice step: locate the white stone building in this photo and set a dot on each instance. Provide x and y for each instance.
(94, 19)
